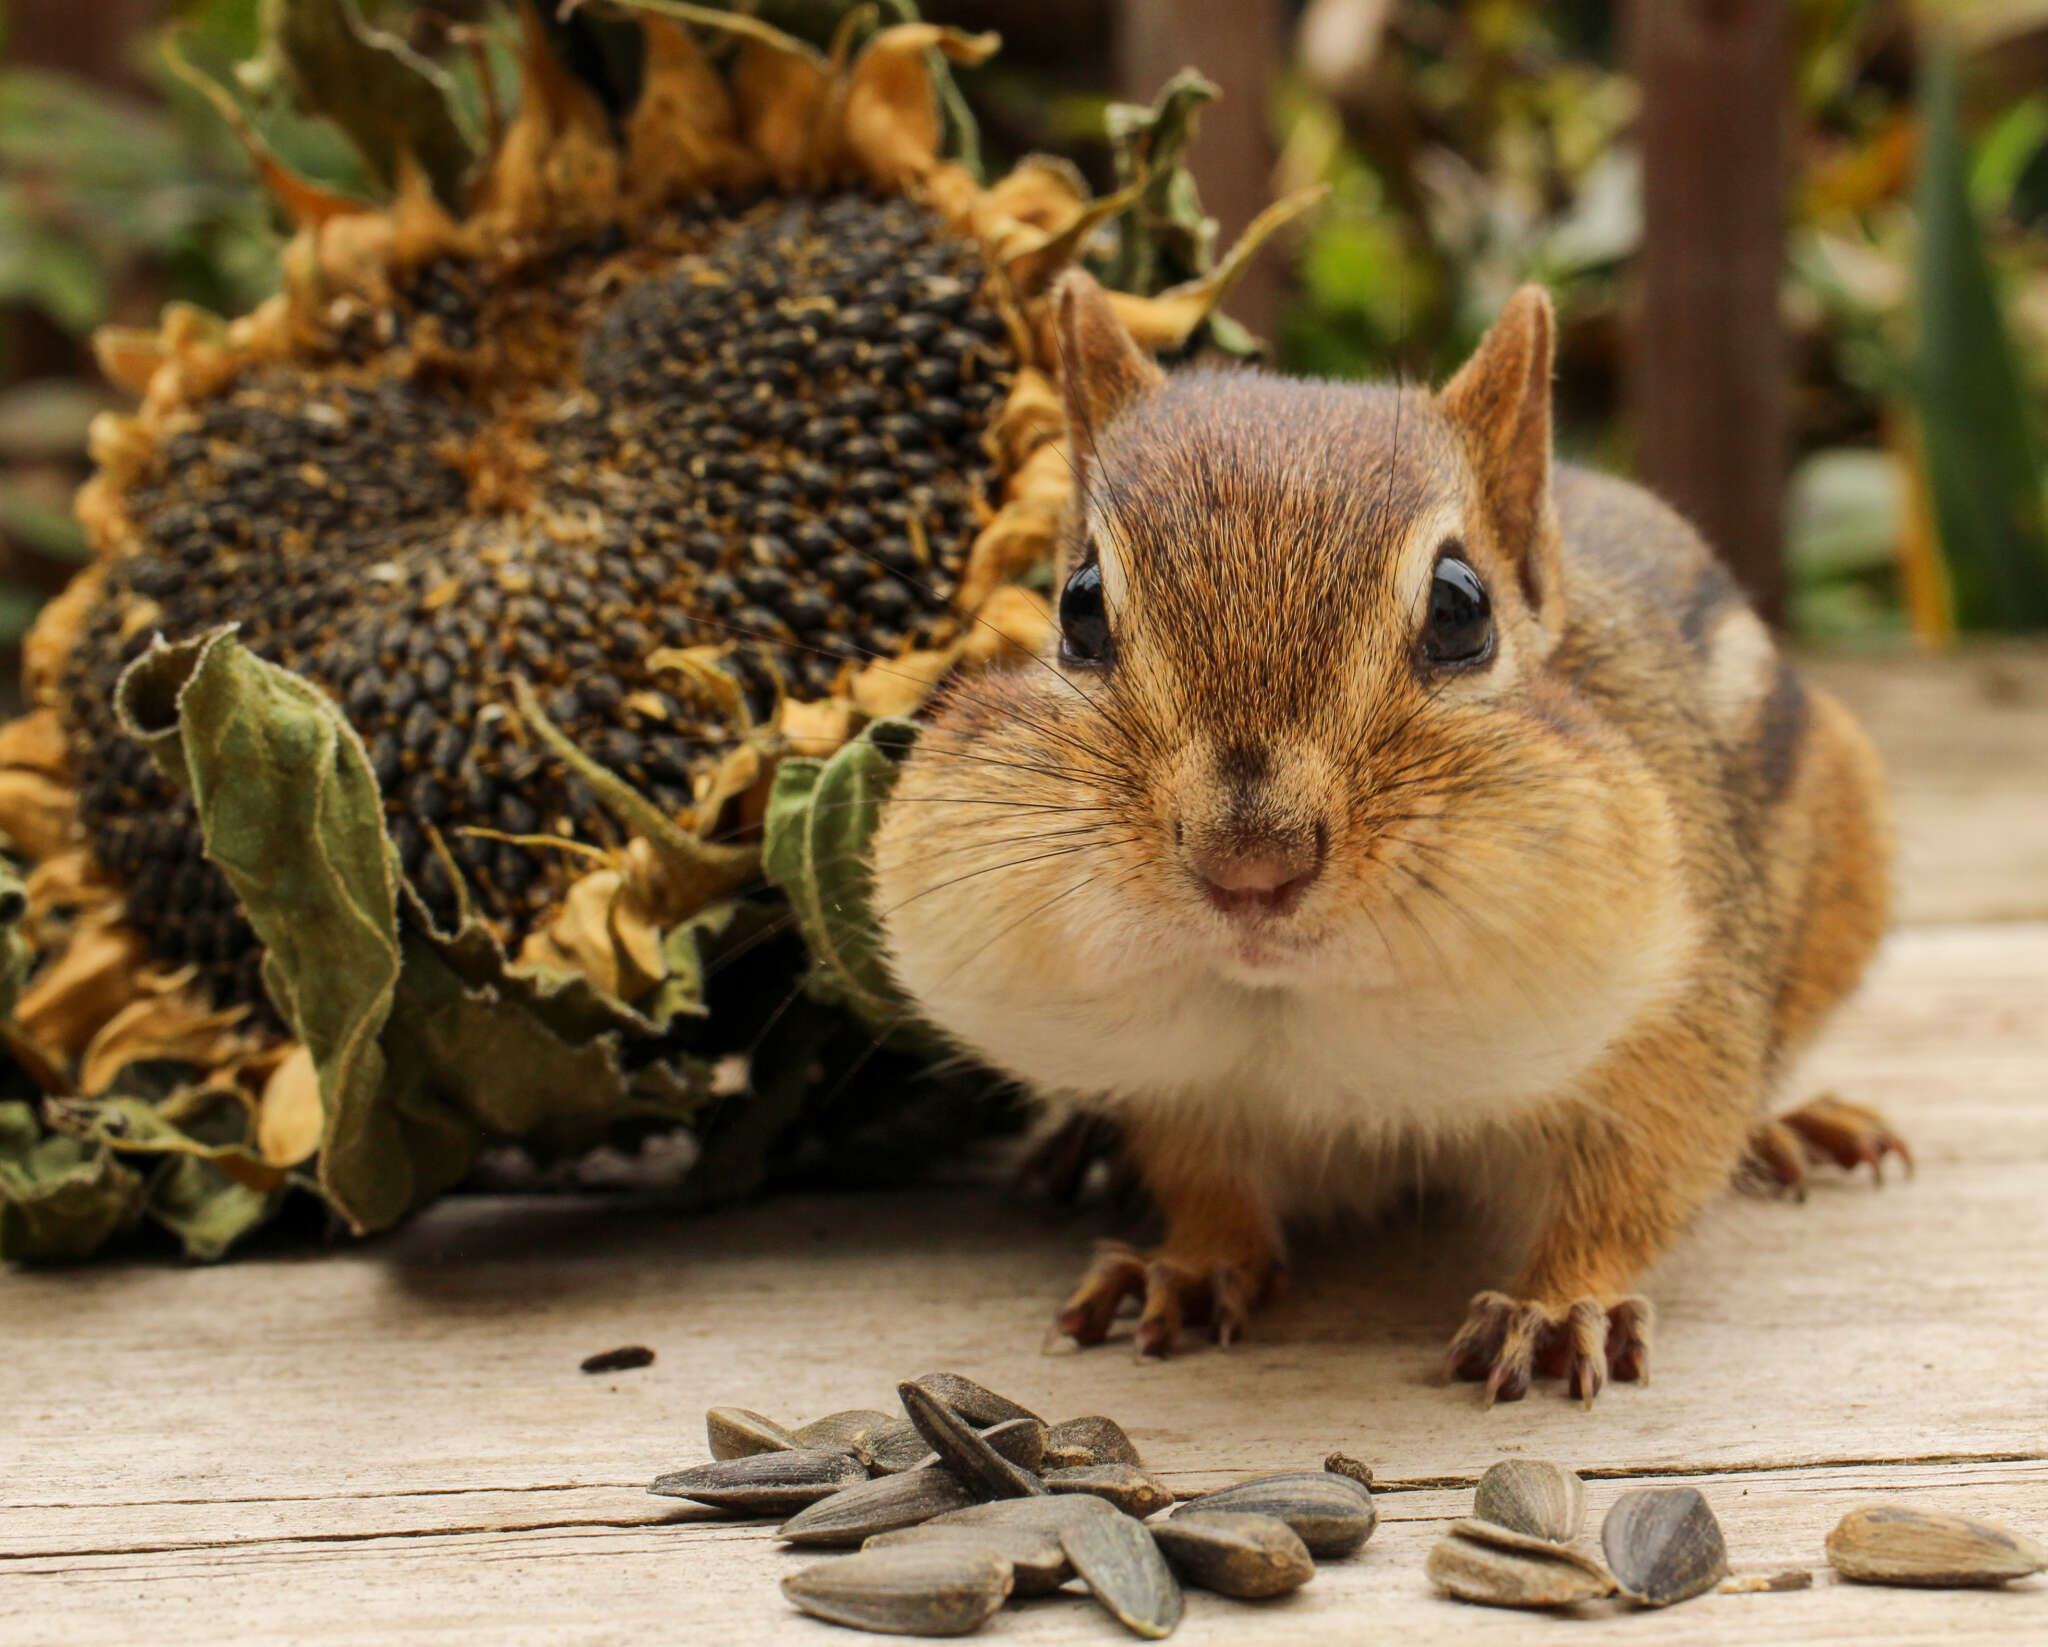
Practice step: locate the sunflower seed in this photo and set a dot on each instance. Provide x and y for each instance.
(1020, 1440)
(893, 1446)
(1484, 1562)
(1333, 1514)
(1892, 1544)
(980, 1407)
(1252, 1556)
(965, 1451)
(734, 1432)
(1130, 1490)
(1663, 1545)
(1124, 1571)
(879, 1506)
(935, 1589)
(1055, 1510)
(1348, 1467)
(1074, 1443)
(1038, 1566)
(765, 1483)
(1531, 1496)
(847, 1429)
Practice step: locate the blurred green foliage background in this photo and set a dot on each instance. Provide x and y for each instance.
(1470, 145)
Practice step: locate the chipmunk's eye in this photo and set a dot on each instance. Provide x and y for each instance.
(1458, 632)
(1084, 619)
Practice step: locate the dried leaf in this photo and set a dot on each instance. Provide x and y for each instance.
(60, 1198)
(291, 813)
(1167, 238)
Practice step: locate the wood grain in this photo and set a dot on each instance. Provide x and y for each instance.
(394, 1441)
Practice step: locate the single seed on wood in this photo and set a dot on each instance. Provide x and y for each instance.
(1131, 1490)
(1663, 1545)
(1928, 1549)
(936, 1589)
(1350, 1468)
(765, 1483)
(1038, 1566)
(1749, 1584)
(978, 1465)
(1484, 1562)
(736, 1432)
(893, 1446)
(1125, 1572)
(624, 1359)
(858, 1512)
(1531, 1496)
(980, 1407)
(1076, 1442)
(847, 1429)
(1250, 1556)
(1333, 1514)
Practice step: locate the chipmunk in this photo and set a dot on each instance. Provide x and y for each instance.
(1392, 803)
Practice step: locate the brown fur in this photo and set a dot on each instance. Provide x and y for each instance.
(1632, 848)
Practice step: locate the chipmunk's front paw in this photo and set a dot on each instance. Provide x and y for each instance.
(1828, 1129)
(1175, 1289)
(1509, 1342)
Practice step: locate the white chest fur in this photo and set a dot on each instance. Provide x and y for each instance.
(1315, 1088)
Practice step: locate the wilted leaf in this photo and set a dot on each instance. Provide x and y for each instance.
(389, 99)
(425, 1042)
(821, 816)
(1983, 463)
(1166, 237)
(60, 1198)
(291, 813)
(209, 1187)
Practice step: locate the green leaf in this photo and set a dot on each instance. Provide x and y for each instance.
(1983, 464)
(821, 816)
(385, 96)
(60, 1198)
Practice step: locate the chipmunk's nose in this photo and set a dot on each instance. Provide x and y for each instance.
(1266, 875)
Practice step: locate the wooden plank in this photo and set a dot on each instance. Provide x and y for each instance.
(1965, 741)
(592, 1583)
(1707, 381)
(394, 1440)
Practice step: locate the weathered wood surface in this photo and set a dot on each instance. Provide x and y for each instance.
(1965, 740)
(395, 1442)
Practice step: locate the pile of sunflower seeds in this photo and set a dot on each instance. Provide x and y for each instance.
(967, 1499)
(964, 1499)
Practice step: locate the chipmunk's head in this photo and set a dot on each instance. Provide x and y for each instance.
(1297, 717)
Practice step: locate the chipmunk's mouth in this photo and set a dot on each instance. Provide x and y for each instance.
(1268, 954)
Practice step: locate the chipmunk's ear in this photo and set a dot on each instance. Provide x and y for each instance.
(1500, 399)
(1101, 369)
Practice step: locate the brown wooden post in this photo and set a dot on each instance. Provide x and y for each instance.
(1237, 44)
(1708, 389)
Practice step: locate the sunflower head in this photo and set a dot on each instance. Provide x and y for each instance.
(466, 617)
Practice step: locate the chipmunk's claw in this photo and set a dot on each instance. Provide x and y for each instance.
(1828, 1129)
(1510, 1342)
(1171, 1295)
